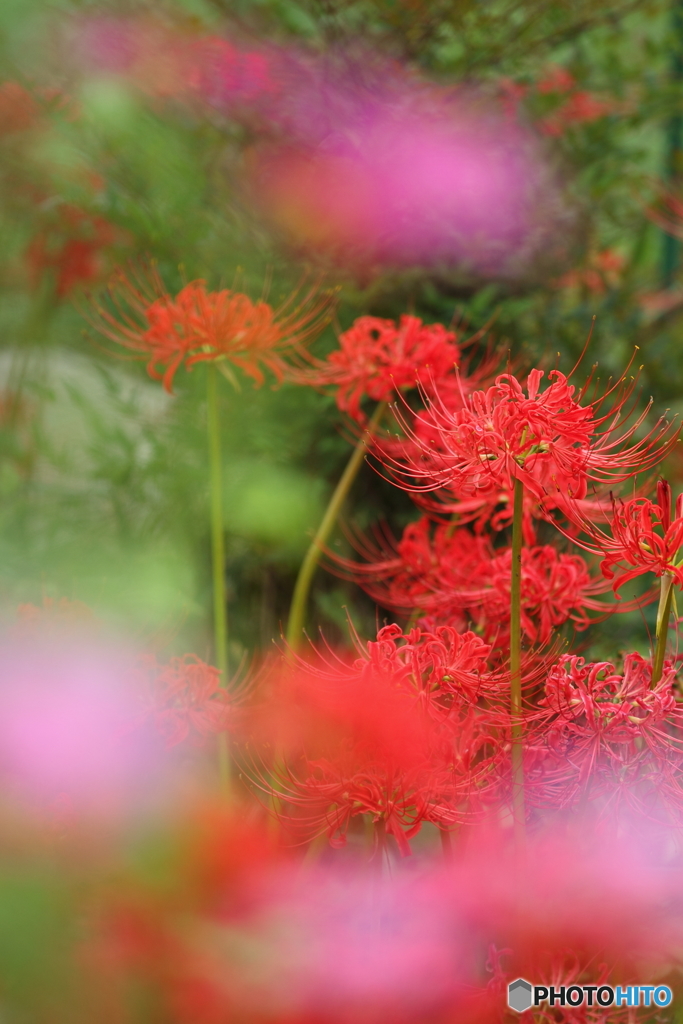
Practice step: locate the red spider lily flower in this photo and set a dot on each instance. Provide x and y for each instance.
(556, 587)
(636, 541)
(546, 439)
(449, 390)
(426, 667)
(184, 698)
(377, 356)
(460, 577)
(453, 780)
(385, 697)
(643, 536)
(610, 731)
(335, 791)
(436, 664)
(595, 700)
(199, 326)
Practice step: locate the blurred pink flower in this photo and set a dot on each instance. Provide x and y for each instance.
(402, 173)
(67, 726)
(340, 943)
(440, 941)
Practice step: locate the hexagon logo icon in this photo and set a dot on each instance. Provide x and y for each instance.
(519, 995)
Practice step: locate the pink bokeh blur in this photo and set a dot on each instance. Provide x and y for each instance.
(71, 729)
(412, 183)
(352, 157)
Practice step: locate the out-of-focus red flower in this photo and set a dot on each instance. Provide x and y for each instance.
(579, 108)
(54, 618)
(71, 248)
(556, 79)
(164, 62)
(19, 110)
(603, 270)
(572, 105)
(197, 325)
(403, 734)
(667, 210)
(658, 303)
(231, 78)
(511, 95)
(377, 356)
(185, 698)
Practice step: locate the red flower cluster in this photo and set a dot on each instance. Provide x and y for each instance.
(377, 357)
(455, 576)
(548, 440)
(643, 535)
(479, 451)
(609, 734)
(569, 105)
(402, 734)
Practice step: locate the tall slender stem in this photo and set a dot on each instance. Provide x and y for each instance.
(297, 611)
(220, 616)
(517, 750)
(446, 844)
(662, 629)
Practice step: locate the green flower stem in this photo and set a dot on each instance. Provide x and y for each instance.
(446, 844)
(516, 750)
(297, 612)
(220, 616)
(663, 616)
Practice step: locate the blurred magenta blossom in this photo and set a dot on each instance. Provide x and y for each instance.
(340, 943)
(428, 938)
(70, 727)
(404, 173)
(354, 157)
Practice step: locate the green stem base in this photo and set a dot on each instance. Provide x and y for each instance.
(297, 612)
(516, 746)
(220, 618)
(663, 615)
